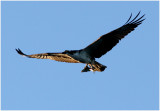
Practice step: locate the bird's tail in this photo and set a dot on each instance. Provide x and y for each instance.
(96, 67)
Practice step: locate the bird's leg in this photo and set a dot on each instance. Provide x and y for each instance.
(92, 67)
(86, 68)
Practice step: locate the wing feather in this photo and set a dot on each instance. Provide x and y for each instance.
(53, 56)
(106, 42)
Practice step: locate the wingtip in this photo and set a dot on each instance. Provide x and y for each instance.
(139, 12)
(135, 19)
(20, 52)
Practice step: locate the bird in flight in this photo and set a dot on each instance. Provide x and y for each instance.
(95, 50)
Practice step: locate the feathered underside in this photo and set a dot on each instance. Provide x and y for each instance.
(53, 56)
(106, 42)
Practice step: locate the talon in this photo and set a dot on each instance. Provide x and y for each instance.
(86, 68)
(92, 67)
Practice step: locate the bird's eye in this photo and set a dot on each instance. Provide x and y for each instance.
(66, 51)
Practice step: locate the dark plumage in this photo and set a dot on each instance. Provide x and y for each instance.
(106, 42)
(95, 50)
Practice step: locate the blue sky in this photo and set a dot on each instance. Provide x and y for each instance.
(130, 81)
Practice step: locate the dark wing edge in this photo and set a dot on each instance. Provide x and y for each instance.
(53, 56)
(21, 53)
(106, 42)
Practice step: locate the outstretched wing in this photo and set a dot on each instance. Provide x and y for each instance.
(53, 56)
(106, 42)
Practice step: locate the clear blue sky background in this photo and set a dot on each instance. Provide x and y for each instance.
(129, 82)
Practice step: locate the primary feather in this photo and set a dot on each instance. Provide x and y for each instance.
(106, 42)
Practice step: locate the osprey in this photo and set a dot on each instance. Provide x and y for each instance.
(95, 50)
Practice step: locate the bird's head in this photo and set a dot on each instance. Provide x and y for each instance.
(69, 51)
(66, 51)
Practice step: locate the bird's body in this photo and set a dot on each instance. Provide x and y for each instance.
(95, 50)
(80, 55)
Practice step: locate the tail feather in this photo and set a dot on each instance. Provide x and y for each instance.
(98, 67)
